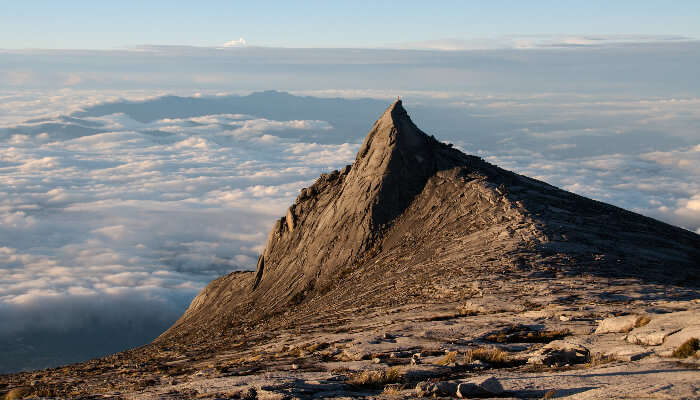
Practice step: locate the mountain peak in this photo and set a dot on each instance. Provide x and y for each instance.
(411, 209)
(393, 138)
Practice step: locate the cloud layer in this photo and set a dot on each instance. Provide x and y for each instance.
(107, 221)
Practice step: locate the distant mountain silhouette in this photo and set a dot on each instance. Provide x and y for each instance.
(272, 105)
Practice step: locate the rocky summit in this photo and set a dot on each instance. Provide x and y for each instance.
(422, 271)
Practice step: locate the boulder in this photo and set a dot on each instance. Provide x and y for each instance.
(560, 352)
(662, 326)
(446, 388)
(356, 355)
(442, 388)
(628, 353)
(672, 342)
(621, 324)
(424, 389)
(483, 386)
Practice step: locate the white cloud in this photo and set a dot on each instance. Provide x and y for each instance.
(534, 41)
(236, 43)
(89, 222)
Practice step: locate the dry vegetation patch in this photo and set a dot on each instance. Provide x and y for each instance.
(393, 389)
(450, 358)
(641, 321)
(687, 349)
(549, 394)
(491, 355)
(376, 378)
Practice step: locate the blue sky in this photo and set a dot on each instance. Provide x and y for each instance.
(107, 25)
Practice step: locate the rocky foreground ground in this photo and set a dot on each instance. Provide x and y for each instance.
(535, 335)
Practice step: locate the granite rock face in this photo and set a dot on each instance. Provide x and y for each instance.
(411, 210)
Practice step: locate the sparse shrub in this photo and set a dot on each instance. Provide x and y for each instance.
(340, 370)
(450, 358)
(392, 390)
(376, 378)
(687, 349)
(316, 346)
(494, 356)
(641, 321)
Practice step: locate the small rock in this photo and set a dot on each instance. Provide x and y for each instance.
(628, 353)
(632, 356)
(560, 352)
(662, 326)
(442, 388)
(295, 366)
(356, 355)
(376, 360)
(536, 314)
(651, 336)
(621, 324)
(446, 388)
(672, 342)
(424, 389)
(400, 354)
(479, 387)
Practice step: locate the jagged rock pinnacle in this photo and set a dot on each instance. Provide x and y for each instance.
(412, 204)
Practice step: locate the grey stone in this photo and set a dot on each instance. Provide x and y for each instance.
(356, 355)
(673, 341)
(482, 386)
(560, 352)
(621, 324)
(424, 389)
(442, 388)
(662, 326)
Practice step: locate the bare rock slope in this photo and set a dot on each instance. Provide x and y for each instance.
(411, 210)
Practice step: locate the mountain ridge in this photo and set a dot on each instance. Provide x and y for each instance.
(406, 192)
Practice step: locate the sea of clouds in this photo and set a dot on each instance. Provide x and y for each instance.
(117, 205)
(109, 223)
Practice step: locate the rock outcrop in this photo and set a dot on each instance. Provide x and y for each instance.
(412, 210)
